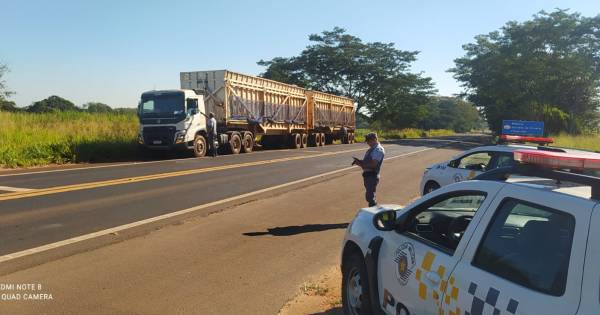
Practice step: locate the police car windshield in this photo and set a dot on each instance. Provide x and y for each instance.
(463, 203)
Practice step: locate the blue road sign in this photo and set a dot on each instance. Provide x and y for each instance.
(522, 128)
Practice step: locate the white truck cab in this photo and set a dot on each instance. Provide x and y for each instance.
(172, 118)
(484, 246)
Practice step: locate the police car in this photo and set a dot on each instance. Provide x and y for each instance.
(473, 162)
(492, 245)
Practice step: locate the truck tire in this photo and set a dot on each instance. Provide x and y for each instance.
(235, 143)
(323, 142)
(199, 146)
(351, 135)
(304, 140)
(345, 139)
(328, 139)
(295, 141)
(248, 142)
(312, 140)
(317, 139)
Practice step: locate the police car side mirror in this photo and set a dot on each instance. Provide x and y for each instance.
(385, 220)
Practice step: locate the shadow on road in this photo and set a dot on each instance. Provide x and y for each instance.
(298, 229)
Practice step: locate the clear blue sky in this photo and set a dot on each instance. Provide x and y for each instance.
(111, 51)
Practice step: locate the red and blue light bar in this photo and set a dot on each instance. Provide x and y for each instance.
(558, 160)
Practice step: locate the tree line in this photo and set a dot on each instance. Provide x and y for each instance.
(545, 69)
(58, 104)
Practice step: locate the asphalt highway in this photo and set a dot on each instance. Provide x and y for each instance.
(48, 206)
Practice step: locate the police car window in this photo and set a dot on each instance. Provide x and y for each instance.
(529, 245)
(476, 161)
(505, 160)
(444, 222)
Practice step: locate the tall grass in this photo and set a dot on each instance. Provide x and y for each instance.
(403, 133)
(585, 142)
(28, 139)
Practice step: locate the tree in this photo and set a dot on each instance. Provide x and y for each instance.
(8, 106)
(451, 113)
(4, 92)
(51, 104)
(342, 64)
(545, 69)
(95, 107)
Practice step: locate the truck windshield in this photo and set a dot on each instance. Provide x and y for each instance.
(162, 105)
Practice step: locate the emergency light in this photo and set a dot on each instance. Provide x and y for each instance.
(537, 140)
(558, 160)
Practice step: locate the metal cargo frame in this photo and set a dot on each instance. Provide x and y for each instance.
(246, 102)
(331, 112)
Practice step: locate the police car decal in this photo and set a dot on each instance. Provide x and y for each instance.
(445, 287)
(489, 306)
(405, 260)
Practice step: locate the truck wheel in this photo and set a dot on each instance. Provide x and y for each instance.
(355, 286)
(351, 135)
(345, 139)
(199, 146)
(235, 143)
(328, 139)
(304, 140)
(317, 139)
(295, 141)
(248, 142)
(312, 140)
(322, 136)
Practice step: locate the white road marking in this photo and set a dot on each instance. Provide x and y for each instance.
(13, 189)
(119, 228)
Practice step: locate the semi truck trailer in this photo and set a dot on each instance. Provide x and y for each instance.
(246, 108)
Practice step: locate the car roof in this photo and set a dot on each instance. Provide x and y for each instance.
(549, 185)
(514, 147)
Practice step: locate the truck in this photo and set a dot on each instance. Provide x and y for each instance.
(247, 108)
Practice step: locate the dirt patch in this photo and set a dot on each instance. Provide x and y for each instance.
(319, 296)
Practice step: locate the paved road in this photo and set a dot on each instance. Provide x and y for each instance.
(248, 258)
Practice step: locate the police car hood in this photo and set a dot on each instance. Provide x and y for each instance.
(379, 208)
(437, 165)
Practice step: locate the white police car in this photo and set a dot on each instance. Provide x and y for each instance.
(473, 162)
(484, 246)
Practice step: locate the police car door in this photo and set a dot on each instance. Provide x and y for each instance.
(414, 266)
(525, 256)
(468, 166)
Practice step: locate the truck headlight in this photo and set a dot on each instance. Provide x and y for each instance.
(180, 137)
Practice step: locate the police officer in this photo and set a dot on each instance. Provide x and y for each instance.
(211, 131)
(371, 165)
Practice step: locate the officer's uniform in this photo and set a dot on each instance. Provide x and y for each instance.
(371, 176)
(211, 126)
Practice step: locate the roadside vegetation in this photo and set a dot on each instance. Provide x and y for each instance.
(28, 139)
(586, 142)
(406, 133)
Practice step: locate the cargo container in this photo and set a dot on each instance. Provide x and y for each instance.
(245, 107)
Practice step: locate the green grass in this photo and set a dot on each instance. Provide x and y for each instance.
(64, 137)
(584, 142)
(402, 133)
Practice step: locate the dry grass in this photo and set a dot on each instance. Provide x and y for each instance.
(28, 139)
(585, 142)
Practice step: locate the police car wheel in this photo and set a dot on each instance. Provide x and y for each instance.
(429, 187)
(355, 286)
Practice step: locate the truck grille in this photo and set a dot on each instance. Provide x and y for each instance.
(159, 136)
